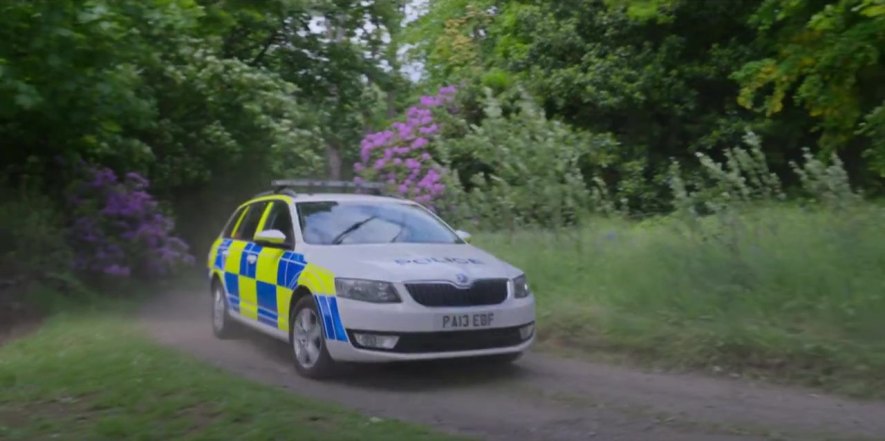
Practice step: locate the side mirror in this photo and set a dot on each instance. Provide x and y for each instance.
(465, 236)
(270, 237)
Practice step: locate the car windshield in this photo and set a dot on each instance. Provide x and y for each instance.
(333, 223)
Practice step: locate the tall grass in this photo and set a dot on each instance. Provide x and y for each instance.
(778, 289)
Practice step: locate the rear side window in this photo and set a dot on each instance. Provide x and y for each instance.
(232, 222)
(246, 231)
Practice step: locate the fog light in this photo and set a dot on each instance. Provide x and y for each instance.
(526, 331)
(376, 341)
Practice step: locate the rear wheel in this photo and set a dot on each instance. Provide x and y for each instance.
(222, 325)
(309, 351)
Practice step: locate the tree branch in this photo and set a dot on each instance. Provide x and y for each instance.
(267, 44)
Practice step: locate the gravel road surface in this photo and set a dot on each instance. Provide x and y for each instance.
(540, 397)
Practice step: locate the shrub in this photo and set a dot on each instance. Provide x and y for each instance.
(118, 228)
(743, 178)
(32, 239)
(400, 156)
(519, 167)
(530, 166)
(827, 184)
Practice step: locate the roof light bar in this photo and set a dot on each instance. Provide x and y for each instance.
(282, 184)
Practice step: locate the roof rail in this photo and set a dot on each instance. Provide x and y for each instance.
(287, 185)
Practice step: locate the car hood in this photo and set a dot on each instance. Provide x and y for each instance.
(408, 262)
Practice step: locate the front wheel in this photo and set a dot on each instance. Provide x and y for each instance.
(222, 325)
(309, 351)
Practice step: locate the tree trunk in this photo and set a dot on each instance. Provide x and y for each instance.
(333, 159)
(391, 103)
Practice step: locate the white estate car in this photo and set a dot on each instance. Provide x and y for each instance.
(363, 278)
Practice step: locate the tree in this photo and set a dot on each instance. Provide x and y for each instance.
(141, 86)
(825, 57)
(608, 66)
(448, 39)
(338, 54)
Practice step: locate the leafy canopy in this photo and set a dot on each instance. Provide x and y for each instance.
(827, 58)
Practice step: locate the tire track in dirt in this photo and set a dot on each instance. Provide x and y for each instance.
(538, 398)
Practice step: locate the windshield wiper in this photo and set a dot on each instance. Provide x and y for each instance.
(340, 237)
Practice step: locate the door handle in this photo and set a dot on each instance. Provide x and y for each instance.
(225, 252)
(252, 258)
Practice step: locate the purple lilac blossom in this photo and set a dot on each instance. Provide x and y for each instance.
(117, 226)
(137, 181)
(117, 270)
(430, 101)
(419, 143)
(399, 155)
(448, 90)
(429, 130)
(103, 177)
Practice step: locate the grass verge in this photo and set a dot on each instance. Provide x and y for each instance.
(783, 293)
(91, 376)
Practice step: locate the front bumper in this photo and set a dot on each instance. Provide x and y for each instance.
(420, 335)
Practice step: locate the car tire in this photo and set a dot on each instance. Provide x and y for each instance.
(307, 342)
(222, 325)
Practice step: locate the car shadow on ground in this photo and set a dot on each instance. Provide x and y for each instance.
(402, 376)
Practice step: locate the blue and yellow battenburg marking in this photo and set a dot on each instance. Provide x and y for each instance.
(259, 282)
(328, 306)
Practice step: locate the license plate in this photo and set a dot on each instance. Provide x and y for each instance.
(467, 321)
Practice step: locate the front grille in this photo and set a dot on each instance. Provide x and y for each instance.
(482, 292)
(428, 342)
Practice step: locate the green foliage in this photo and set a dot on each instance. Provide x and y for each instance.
(660, 10)
(827, 58)
(209, 99)
(70, 76)
(255, 121)
(447, 39)
(527, 167)
(873, 127)
(743, 179)
(826, 183)
(672, 78)
(343, 72)
(612, 67)
(143, 86)
(32, 237)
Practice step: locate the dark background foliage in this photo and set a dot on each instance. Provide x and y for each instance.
(210, 99)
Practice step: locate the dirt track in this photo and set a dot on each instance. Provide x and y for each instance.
(539, 398)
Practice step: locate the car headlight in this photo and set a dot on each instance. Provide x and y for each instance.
(521, 287)
(366, 290)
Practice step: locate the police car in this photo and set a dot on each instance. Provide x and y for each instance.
(357, 277)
